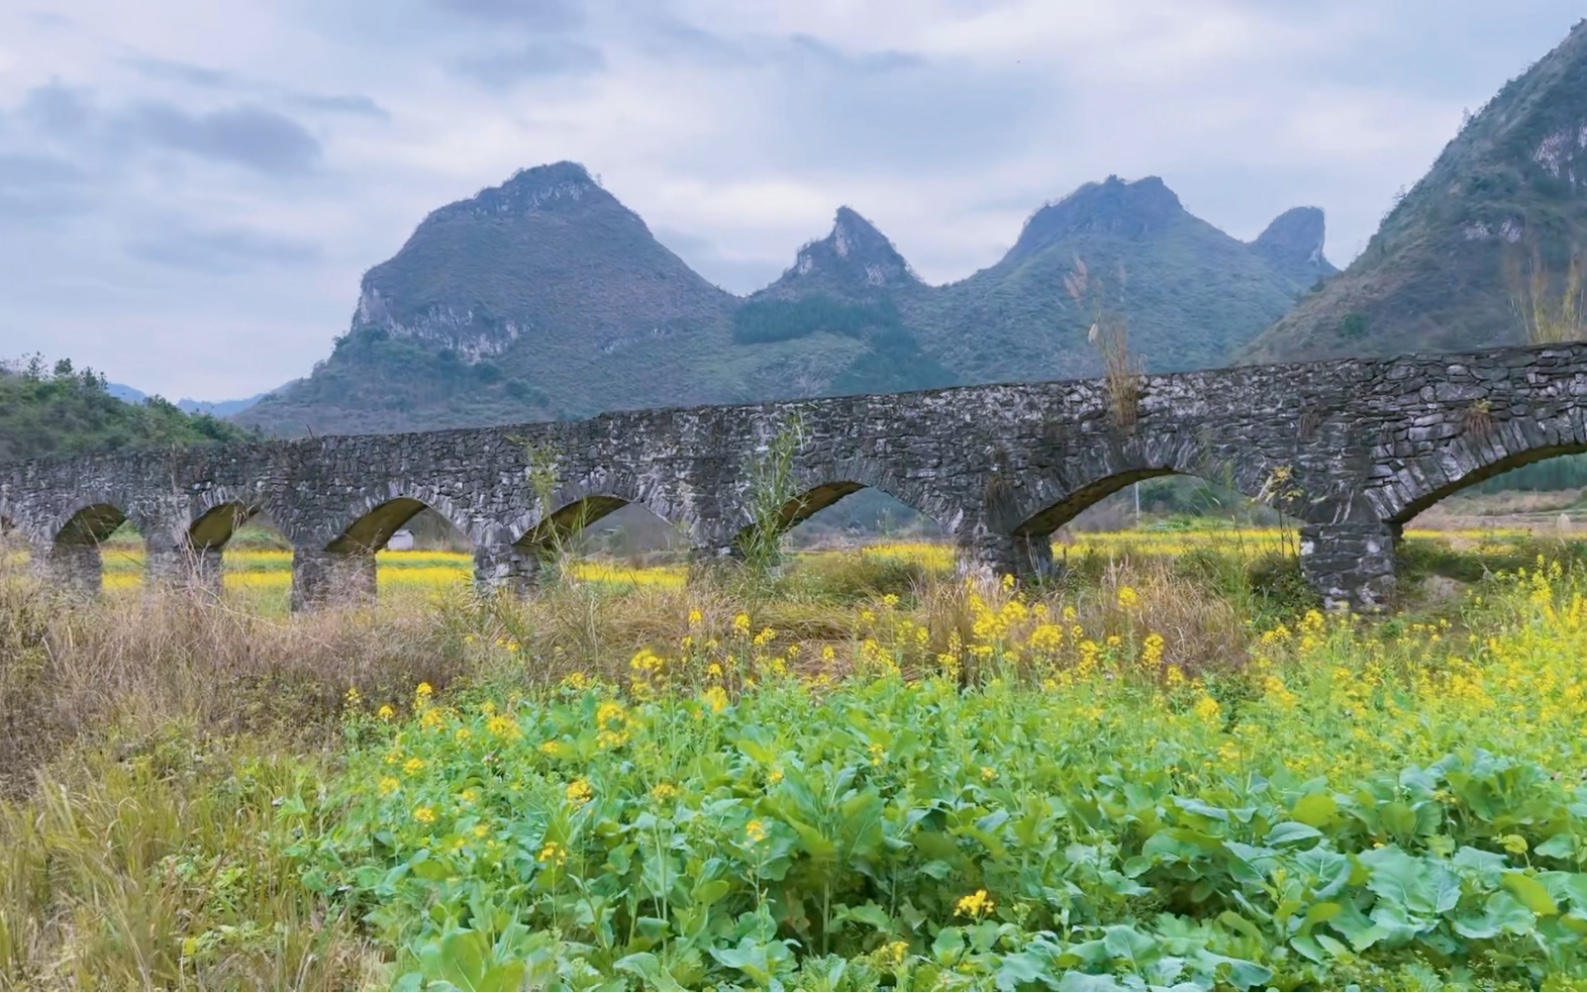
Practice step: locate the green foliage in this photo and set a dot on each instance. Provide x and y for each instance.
(1353, 326)
(773, 502)
(894, 362)
(760, 321)
(67, 412)
(910, 836)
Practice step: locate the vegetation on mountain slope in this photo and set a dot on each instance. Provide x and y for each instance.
(1442, 270)
(64, 411)
(1190, 294)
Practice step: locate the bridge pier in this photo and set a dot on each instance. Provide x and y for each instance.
(1350, 565)
(323, 578)
(994, 555)
(75, 568)
(182, 567)
(505, 569)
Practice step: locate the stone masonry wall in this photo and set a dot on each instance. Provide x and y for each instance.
(1353, 449)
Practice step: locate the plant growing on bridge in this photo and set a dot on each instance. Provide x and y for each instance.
(1477, 420)
(1279, 490)
(1121, 371)
(551, 536)
(774, 501)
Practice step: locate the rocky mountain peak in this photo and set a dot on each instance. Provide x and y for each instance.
(1295, 238)
(1113, 206)
(559, 185)
(854, 254)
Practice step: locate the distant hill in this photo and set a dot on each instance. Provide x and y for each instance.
(215, 408)
(1192, 295)
(68, 412)
(545, 297)
(1438, 274)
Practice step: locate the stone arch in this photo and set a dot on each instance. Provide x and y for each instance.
(333, 554)
(372, 518)
(215, 525)
(88, 523)
(586, 500)
(817, 488)
(1047, 501)
(1469, 458)
(71, 542)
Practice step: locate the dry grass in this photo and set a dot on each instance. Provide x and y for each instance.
(1551, 308)
(137, 663)
(1121, 371)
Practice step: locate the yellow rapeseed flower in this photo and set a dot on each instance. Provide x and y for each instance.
(1206, 708)
(413, 765)
(976, 905)
(552, 854)
(579, 791)
(424, 815)
(1128, 598)
(610, 713)
(385, 712)
(755, 831)
(715, 698)
(662, 792)
(502, 726)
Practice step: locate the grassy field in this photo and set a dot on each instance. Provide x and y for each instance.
(1166, 771)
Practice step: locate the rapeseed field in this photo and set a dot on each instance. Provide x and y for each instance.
(1143, 777)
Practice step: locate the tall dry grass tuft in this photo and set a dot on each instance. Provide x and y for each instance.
(71, 672)
(168, 871)
(1552, 308)
(1121, 371)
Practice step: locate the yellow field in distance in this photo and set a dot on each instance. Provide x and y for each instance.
(269, 569)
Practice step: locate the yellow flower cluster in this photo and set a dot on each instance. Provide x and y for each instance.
(976, 905)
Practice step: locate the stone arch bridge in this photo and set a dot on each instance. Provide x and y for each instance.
(1352, 449)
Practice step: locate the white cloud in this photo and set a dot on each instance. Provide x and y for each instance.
(238, 166)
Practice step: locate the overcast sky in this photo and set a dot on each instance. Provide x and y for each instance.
(191, 189)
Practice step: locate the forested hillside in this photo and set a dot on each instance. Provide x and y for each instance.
(61, 410)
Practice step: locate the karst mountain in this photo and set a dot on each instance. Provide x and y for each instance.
(1452, 265)
(546, 297)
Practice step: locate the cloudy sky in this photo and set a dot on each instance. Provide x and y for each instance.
(191, 189)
